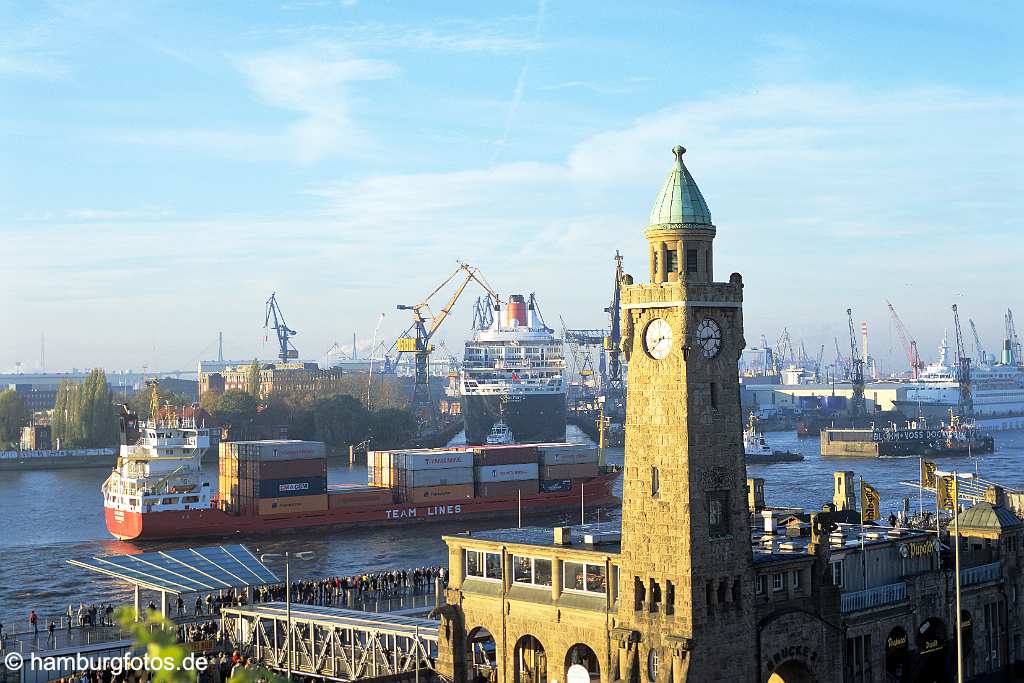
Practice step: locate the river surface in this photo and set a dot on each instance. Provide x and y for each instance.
(50, 516)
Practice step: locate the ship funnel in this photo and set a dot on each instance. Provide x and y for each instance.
(531, 314)
(496, 318)
(515, 311)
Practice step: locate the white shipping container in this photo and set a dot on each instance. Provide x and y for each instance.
(496, 473)
(568, 455)
(449, 476)
(432, 460)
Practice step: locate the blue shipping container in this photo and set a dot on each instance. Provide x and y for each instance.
(293, 486)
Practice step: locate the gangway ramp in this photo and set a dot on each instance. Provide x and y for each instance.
(331, 642)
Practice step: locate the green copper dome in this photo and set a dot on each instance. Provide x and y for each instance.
(680, 200)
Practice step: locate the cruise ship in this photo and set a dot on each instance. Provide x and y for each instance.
(997, 389)
(512, 373)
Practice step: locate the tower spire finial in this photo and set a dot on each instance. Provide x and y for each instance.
(679, 151)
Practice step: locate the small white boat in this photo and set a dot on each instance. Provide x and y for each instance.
(500, 434)
(757, 451)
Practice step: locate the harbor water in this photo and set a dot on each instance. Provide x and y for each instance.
(50, 516)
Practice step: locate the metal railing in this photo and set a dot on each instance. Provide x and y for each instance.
(855, 601)
(980, 574)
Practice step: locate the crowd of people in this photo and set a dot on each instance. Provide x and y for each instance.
(327, 591)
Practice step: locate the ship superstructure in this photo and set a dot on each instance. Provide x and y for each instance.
(513, 372)
(159, 469)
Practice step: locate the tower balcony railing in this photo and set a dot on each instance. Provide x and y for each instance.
(980, 574)
(879, 596)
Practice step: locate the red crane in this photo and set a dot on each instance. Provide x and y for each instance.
(909, 343)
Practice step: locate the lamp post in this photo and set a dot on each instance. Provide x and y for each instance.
(302, 555)
(956, 564)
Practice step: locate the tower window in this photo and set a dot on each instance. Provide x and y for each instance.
(714, 396)
(655, 482)
(718, 514)
(670, 597)
(707, 262)
(655, 595)
(639, 593)
(691, 260)
(670, 261)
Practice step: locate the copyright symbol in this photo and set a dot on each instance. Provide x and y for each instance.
(14, 661)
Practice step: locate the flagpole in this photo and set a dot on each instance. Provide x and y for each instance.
(863, 552)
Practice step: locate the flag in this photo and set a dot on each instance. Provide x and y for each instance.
(945, 490)
(928, 474)
(870, 502)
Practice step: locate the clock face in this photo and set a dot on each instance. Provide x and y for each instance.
(658, 338)
(709, 337)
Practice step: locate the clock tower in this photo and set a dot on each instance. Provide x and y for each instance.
(686, 575)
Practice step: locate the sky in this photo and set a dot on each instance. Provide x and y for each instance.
(165, 166)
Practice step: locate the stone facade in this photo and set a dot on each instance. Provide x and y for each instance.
(685, 590)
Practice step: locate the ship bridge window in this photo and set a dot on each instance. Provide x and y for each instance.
(169, 501)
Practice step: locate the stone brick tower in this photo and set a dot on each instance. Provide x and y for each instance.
(687, 566)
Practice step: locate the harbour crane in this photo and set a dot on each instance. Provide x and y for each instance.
(857, 405)
(613, 341)
(1013, 356)
(416, 339)
(909, 343)
(979, 349)
(286, 350)
(963, 364)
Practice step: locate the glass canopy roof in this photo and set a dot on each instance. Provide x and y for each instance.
(187, 570)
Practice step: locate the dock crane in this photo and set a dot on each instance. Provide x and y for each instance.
(286, 350)
(909, 343)
(1012, 352)
(613, 341)
(979, 349)
(963, 364)
(416, 339)
(857, 405)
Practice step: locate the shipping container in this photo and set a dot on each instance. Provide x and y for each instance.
(408, 479)
(566, 454)
(294, 504)
(355, 495)
(279, 449)
(290, 487)
(556, 486)
(504, 455)
(279, 469)
(437, 494)
(431, 460)
(584, 471)
(506, 473)
(507, 489)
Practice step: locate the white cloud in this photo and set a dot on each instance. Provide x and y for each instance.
(314, 83)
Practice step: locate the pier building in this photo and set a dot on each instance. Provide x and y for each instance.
(686, 589)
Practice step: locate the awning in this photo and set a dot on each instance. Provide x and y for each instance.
(188, 570)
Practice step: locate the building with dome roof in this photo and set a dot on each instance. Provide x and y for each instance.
(701, 581)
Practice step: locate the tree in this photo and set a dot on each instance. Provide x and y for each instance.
(392, 428)
(14, 415)
(340, 420)
(252, 382)
(235, 408)
(84, 415)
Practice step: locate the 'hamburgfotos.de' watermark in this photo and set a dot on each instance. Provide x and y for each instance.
(15, 661)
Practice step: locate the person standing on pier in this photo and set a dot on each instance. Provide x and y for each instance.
(181, 606)
(51, 629)
(33, 621)
(71, 615)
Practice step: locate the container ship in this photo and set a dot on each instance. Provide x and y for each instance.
(157, 490)
(512, 372)
(916, 438)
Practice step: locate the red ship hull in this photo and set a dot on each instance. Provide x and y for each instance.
(136, 526)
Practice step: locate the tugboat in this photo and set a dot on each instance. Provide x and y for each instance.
(500, 434)
(758, 452)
